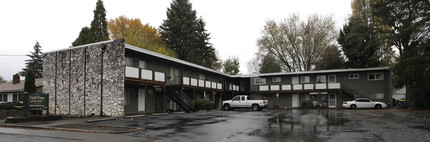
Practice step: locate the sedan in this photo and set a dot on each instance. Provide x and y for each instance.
(363, 103)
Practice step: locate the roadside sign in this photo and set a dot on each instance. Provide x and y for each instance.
(36, 101)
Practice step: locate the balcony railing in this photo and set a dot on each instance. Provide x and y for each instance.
(293, 87)
(193, 82)
(144, 74)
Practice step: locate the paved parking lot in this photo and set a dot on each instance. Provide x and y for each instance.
(275, 125)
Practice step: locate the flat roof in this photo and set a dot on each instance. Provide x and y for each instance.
(317, 72)
(155, 54)
(141, 50)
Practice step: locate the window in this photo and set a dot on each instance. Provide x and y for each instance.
(236, 99)
(375, 76)
(276, 79)
(354, 76)
(1, 98)
(201, 76)
(379, 95)
(295, 80)
(15, 98)
(305, 79)
(258, 81)
(332, 78)
(321, 79)
(4, 96)
(307, 97)
(132, 62)
(20, 97)
(243, 98)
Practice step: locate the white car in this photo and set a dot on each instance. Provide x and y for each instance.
(244, 101)
(363, 103)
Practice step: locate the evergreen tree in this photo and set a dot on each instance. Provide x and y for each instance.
(408, 30)
(231, 66)
(99, 24)
(359, 43)
(269, 64)
(186, 35)
(331, 58)
(2, 80)
(35, 62)
(85, 37)
(29, 83)
(98, 30)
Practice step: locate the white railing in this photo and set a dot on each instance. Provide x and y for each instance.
(159, 76)
(186, 80)
(219, 86)
(144, 74)
(264, 88)
(333, 85)
(308, 86)
(208, 84)
(274, 87)
(131, 72)
(213, 85)
(193, 82)
(201, 83)
(286, 87)
(297, 87)
(320, 86)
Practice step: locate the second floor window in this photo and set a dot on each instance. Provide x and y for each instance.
(276, 79)
(305, 79)
(332, 78)
(375, 76)
(321, 79)
(354, 76)
(132, 62)
(258, 81)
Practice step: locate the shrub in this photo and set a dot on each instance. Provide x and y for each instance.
(203, 104)
(11, 106)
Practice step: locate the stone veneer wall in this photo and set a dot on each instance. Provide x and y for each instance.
(73, 79)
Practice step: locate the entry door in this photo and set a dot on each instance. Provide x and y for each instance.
(141, 99)
(295, 100)
(332, 100)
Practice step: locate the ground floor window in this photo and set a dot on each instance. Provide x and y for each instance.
(3, 98)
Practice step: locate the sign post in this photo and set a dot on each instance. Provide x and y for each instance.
(36, 101)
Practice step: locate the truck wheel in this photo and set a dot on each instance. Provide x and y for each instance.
(226, 107)
(255, 107)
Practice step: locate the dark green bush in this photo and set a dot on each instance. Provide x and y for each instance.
(11, 106)
(203, 104)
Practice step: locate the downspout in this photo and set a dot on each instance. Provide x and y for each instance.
(70, 76)
(85, 76)
(101, 79)
(55, 86)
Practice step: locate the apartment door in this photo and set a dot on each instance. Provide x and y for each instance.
(295, 100)
(141, 99)
(332, 100)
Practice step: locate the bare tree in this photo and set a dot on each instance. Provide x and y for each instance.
(297, 44)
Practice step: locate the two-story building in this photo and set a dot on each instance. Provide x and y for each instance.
(114, 78)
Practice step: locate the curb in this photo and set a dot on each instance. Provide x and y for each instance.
(132, 129)
(134, 116)
(99, 120)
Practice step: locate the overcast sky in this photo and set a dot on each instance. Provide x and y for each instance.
(234, 25)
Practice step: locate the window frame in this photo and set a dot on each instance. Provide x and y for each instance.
(307, 79)
(260, 82)
(318, 77)
(375, 76)
(276, 79)
(329, 81)
(354, 76)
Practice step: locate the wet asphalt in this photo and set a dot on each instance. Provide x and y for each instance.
(265, 126)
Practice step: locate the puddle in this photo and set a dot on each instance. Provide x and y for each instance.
(300, 126)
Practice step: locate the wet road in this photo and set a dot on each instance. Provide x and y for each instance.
(272, 126)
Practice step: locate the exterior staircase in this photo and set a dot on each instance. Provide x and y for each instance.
(183, 101)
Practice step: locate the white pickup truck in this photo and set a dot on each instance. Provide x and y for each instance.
(244, 101)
